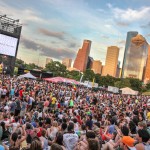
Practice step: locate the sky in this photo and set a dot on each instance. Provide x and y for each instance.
(57, 28)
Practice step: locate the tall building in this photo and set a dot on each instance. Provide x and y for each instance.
(81, 60)
(135, 57)
(48, 60)
(118, 71)
(67, 62)
(97, 66)
(130, 35)
(89, 62)
(147, 68)
(111, 61)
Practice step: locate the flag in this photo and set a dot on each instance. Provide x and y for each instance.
(74, 86)
(93, 82)
(1, 67)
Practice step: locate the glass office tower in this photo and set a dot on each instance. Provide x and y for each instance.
(135, 57)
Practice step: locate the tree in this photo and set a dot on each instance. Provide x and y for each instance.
(97, 78)
(57, 68)
(107, 80)
(32, 66)
(74, 75)
(123, 83)
(148, 86)
(19, 63)
(89, 75)
(136, 84)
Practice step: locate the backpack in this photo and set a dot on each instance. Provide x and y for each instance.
(5, 134)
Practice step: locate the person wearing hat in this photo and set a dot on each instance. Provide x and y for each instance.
(127, 143)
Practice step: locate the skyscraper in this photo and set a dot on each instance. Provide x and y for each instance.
(80, 62)
(97, 66)
(111, 61)
(89, 62)
(67, 62)
(147, 68)
(130, 35)
(48, 60)
(135, 57)
(118, 71)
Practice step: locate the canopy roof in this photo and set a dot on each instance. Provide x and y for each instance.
(61, 79)
(128, 91)
(27, 75)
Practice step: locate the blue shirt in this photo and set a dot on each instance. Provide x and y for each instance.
(2, 147)
(12, 92)
(111, 129)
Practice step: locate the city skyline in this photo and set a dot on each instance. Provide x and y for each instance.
(57, 29)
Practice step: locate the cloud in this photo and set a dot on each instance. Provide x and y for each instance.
(105, 37)
(73, 45)
(122, 42)
(109, 5)
(148, 35)
(59, 35)
(49, 51)
(146, 25)
(122, 24)
(132, 15)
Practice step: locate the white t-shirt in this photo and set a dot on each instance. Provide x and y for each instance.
(70, 140)
(15, 125)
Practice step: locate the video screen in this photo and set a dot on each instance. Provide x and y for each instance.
(8, 45)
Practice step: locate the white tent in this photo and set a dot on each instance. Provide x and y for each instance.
(27, 75)
(129, 91)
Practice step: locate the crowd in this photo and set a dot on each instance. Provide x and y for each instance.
(37, 115)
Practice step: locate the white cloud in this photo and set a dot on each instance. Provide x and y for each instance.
(131, 15)
(109, 5)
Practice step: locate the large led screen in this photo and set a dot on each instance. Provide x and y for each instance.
(8, 45)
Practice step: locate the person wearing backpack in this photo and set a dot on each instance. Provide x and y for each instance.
(18, 107)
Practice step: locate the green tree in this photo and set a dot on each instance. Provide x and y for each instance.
(97, 78)
(148, 86)
(89, 75)
(32, 66)
(123, 83)
(136, 84)
(107, 80)
(57, 68)
(19, 63)
(74, 75)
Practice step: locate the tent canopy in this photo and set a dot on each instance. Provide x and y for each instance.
(128, 91)
(27, 75)
(61, 79)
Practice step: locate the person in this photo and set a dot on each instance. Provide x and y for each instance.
(36, 144)
(53, 130)
(59, 139)
(23, 107)
(53, 101)
(143, 138)
(44, 140)
(15, 141)
(46, 104)
(12, 106)
(89, 122)
(18, 107)
(56, 146)
(126, 141)
(70, 138)
(12, 92)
